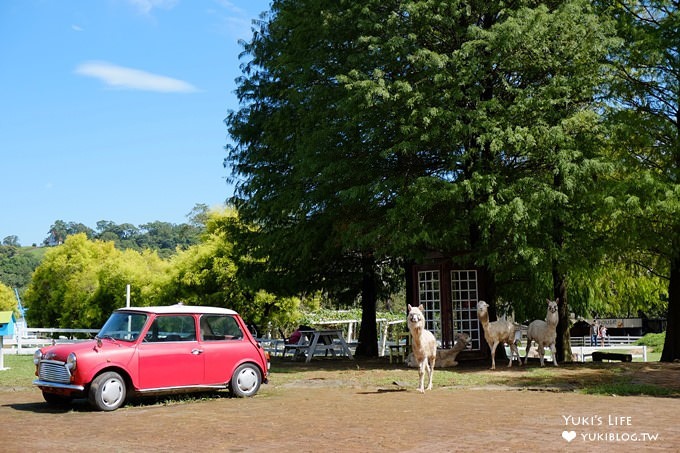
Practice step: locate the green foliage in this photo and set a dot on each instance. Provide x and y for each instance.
(17, 264)
(345, 315)
(79, 283)
(392, 129)
(12, 241)
(654, 341)
(8, 299)
(629, 389)
(207, 274)
(644, 111)
(163, 237)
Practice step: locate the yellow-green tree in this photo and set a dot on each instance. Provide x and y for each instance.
(7, 299)
(80, 282)
(207, 274)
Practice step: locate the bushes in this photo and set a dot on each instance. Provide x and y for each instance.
(653, 341)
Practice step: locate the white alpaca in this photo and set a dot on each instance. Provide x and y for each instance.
(445, 357)
(424, 345)
(544, 333)
(498, 332)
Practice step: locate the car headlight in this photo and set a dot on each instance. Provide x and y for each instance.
(71, 361)
(37, 356)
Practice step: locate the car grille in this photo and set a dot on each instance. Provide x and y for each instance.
(53, 371)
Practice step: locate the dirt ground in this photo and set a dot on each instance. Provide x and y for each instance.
(338, 409)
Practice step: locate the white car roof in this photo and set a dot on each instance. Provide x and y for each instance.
(182, 309)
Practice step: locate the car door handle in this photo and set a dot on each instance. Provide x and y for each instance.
(197, 351)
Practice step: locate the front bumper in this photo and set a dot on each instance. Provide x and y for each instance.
(58, 385)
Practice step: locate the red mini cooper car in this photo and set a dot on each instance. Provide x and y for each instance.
(144, 350)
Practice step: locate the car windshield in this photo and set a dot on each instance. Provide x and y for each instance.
(123, 326)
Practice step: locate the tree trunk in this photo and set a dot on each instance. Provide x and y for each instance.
(368, 333)
(563, 342)
(671, 346)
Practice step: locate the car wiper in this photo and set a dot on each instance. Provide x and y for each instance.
(105, 337)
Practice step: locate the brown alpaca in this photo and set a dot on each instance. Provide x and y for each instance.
(424, 345)
(445, 357)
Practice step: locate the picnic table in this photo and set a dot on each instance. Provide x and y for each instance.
(314, 341)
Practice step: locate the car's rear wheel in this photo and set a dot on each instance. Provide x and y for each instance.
(56, 400)
(246, 380)
(107, 391)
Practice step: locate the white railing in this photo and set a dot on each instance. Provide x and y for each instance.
(608, 341)
(582, 348)
(35, 338)
(585, 353)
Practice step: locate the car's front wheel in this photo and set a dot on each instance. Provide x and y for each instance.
(107, 391)
(246, 380)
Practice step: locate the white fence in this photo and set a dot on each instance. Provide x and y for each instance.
(34, 338)
(608, 341)
(582, 348)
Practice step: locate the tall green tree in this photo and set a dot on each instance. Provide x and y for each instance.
(381, 129)
(511, 114)
(60, 230)
(307, 170)
(11, 241)
(644, 107)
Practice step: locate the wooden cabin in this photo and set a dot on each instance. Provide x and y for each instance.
(449, 295)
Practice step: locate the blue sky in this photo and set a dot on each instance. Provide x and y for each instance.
(113, 109)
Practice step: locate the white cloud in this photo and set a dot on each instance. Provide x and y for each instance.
(76, 28)
(132, 79)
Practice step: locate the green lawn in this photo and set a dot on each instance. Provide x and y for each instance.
(599, 378)
(20, 371)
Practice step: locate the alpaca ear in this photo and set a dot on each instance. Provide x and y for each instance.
(548, 300)
(410, 308)
(421, 308)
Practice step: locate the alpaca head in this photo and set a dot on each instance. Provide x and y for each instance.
(462, 340)
(462, 336)
(552, 305)
(415, 317)
(482, 307)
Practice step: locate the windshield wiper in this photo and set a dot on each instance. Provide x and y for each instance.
(107, 337)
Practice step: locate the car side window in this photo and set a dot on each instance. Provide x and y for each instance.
(215, 328)
(172, 328)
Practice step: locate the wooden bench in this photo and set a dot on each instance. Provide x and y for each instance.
(599, 356)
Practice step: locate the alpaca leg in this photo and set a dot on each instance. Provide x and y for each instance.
(554, 353)
(421, 376)
(430, 369)
(493, 355)
(526, 354)
(541, 353)
(514, 352)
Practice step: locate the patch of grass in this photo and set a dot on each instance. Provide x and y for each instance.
(651, 357)
(590, 378)
(628, 389)
(20, 372)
